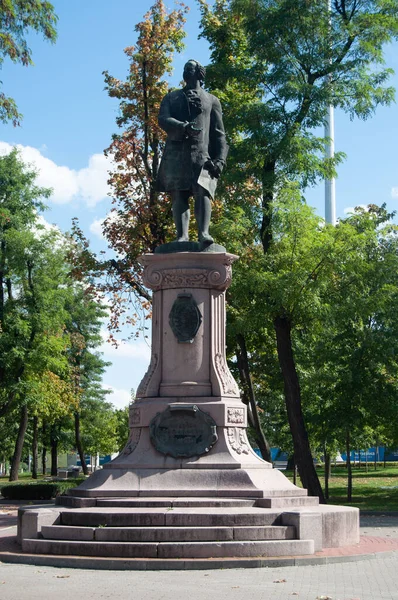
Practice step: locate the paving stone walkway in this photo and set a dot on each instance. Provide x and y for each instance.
(375, 579)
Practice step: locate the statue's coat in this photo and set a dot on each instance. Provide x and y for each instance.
(183, 156)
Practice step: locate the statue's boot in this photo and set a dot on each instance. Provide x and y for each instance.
(205, 238)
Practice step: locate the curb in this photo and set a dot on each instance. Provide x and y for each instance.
(12, 555)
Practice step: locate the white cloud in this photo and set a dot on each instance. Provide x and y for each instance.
(394, 192)
(119, 397)
(92, 180)
(138, 350)
(89, 183)
(97, 225)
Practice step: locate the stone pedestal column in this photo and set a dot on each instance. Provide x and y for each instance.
(188, 423)
(188, 376)
(188, 331)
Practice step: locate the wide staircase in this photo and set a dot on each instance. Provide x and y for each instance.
(178, 528)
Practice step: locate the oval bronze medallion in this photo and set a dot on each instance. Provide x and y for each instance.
(185, 318)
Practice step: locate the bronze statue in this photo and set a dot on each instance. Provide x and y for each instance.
(195, 151)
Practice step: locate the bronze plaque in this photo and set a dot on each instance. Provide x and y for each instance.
(183, 431)
(185, 318)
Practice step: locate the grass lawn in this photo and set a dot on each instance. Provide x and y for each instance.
(372, 490)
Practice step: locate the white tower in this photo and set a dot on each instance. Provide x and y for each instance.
(330, 184)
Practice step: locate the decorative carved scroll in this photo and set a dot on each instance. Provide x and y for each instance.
(142, 388)
(237, 440)
(228, 383)
(132, 442)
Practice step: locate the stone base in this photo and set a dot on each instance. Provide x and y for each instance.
(187, 484)
(238, 483)
(173, 247)
(230, 469)
(162, 528)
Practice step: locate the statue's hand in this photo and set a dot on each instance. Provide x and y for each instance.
(214, 168)
(192, 130)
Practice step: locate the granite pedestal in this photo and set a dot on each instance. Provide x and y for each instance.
(188, 451)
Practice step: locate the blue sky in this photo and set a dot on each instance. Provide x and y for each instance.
(69, 120)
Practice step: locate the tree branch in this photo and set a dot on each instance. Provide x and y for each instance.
(134, 284)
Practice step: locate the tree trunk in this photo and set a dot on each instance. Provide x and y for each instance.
(268, 185)
(291, 463)
(54, 452)
(376, 454)
(247, 384)
(16, 459)
(34, 447)
(349, 468)
(302, 450)
(44, 450)
(79, 444)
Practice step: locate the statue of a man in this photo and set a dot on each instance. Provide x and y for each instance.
(195, 151)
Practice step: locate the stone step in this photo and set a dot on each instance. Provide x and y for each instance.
(287, 502)
(168, 517)
(170, 550)
(176, 502)
(166, 534)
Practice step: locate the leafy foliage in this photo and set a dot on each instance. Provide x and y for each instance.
(140, 219)
(32, 272)
(276, 67)
(17, 18)
(50, 326)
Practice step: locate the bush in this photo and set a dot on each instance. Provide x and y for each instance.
(37, 491)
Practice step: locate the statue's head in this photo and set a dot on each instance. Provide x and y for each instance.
(193, 69)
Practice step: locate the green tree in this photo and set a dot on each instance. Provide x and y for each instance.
(122, 427)
(17, 18)
(33, 342)
(20, 201)
(83, 324)
(356, 353)
(276, 67)
(278, 64)
(99, 426)
(339, 287)
(42, 314)
(32, 273)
